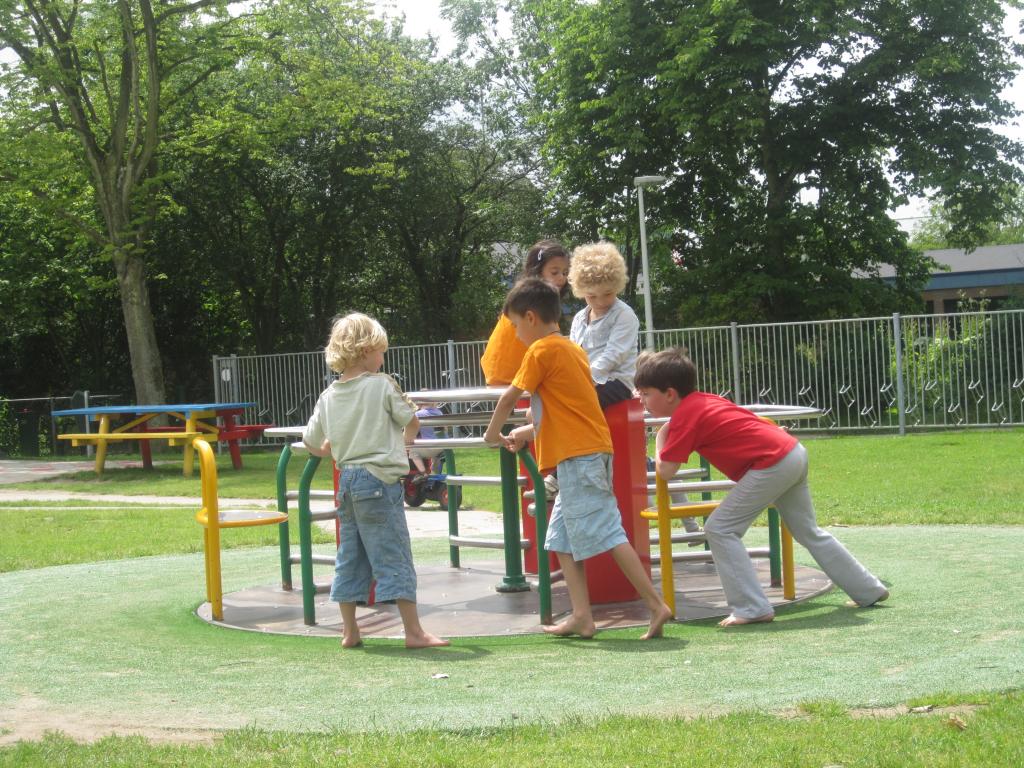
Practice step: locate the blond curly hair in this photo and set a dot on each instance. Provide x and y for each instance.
(352, 337)
(595, 267)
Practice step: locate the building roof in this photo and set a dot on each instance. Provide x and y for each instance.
(990, 265)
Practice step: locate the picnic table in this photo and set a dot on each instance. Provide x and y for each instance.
(213, 422)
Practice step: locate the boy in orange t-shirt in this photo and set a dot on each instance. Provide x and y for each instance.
(572, 435)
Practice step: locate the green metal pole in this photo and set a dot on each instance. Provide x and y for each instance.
(283, 541)
(774, 547)
(306, 541)
(454, 493)
(540, 503)
(514, 581)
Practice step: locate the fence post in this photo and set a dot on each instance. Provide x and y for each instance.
(53, 431)
(216, 380)
(453, 383)
(734, 342)
(897, 334)
(453, 374)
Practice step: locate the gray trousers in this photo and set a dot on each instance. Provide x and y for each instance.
(783, 486)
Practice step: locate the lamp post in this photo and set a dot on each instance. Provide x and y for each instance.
(640, 182)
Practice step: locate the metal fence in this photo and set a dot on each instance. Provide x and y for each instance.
(286, 386)
(883, 373)
(28, 428)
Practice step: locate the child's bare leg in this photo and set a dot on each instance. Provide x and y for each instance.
(350, 637)
(629, 562)
(415, 635)
(582, 620)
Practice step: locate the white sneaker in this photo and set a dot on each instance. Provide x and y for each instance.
(551, 486)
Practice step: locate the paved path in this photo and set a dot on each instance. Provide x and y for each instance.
(27, 470)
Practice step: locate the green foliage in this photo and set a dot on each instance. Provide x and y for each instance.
(941, 355)
(90, 94)
(8, 430)
(937, 230)
(60, 305)
(310, 159)
(789, 131)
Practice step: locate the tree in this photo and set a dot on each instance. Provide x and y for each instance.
(88, 98)
(937, 230)
(342, 165)
(789, 131)
(54, 290)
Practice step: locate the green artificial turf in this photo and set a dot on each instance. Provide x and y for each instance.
(114, 642)
(117, 641)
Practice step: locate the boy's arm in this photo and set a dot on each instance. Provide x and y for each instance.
(502, 410)
(321, 451)
(519, 437)
(411, 430)
(665, 469)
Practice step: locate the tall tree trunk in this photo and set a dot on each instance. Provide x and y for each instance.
(147, 370)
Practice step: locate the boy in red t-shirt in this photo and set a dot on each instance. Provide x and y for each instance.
(572, 435)
(770, 469)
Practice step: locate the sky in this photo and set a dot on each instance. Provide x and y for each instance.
(424, 16)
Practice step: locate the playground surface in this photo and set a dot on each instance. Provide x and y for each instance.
(116, 647)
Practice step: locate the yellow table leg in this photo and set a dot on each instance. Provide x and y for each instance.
(101, 445)
(788, 566)
(189, 451)
(668, 583)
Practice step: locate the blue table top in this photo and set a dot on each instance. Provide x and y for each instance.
(139, 409)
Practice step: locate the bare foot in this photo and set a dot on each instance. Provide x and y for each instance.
(351, 641)
(737, 621)
(425, 640)
(658, 620)
(881, 599)
(585, 628)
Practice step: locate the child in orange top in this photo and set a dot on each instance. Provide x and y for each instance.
(548, 260)
(573, 436)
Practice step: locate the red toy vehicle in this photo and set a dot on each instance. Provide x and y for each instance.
(432, 484)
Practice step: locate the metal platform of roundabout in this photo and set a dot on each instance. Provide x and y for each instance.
(463, 602)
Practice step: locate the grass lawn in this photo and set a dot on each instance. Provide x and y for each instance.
(856, 480)
(73, 638)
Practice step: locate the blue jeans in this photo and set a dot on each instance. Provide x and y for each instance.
(585, 520)
(374, 541)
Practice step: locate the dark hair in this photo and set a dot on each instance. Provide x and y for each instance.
(541, 253)
(669, 368)
(533, 294)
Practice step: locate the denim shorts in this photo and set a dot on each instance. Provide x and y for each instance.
(374, 541)
(585, 520)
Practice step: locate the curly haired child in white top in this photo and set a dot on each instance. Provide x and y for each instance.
(606, 328)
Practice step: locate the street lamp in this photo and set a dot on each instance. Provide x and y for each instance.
(640, 182)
